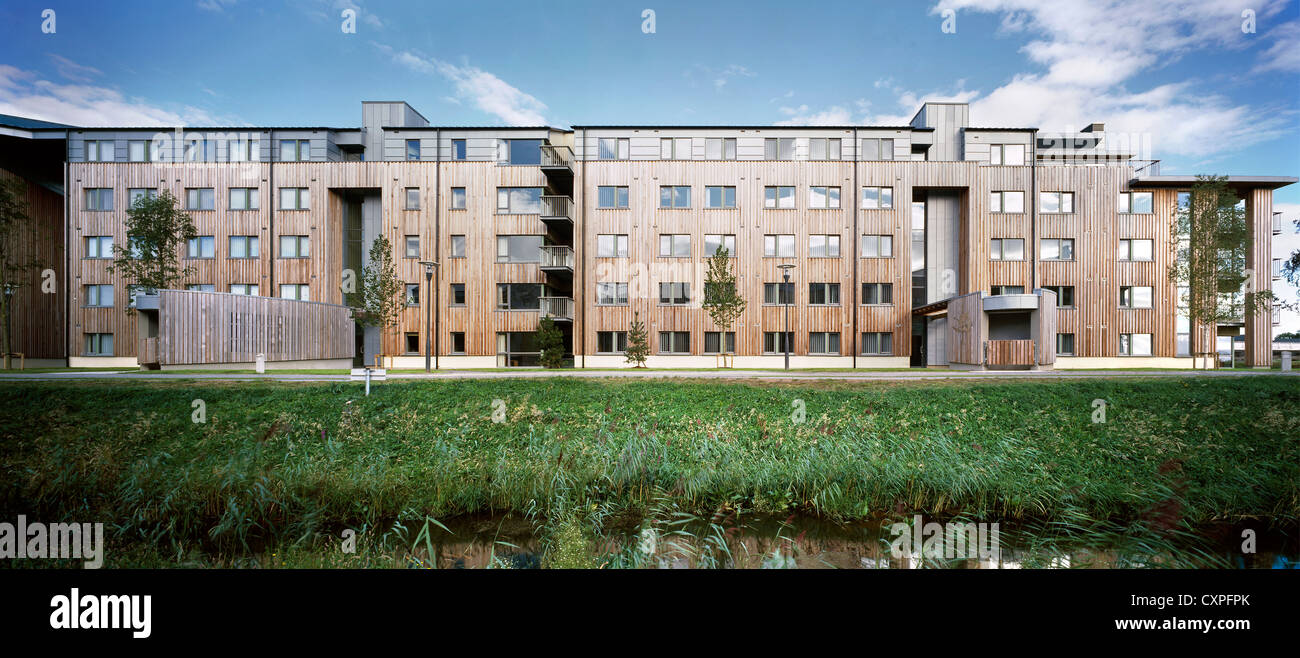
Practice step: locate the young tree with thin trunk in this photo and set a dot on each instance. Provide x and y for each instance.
(17, 252)
(638, 343)
(378, 298)
(721, 295)
(550, 342)
(156, 230)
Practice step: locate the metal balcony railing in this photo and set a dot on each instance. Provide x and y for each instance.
(558, 256)
(557, 156)
(557, 206)
(557, 308)
(1277, 223)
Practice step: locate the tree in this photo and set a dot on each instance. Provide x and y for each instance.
(156, 229)
(721, 296)
(1212, 236)
(638, 343)
(550, 341)
(17, 251)
(1291, 266)
(378, 300)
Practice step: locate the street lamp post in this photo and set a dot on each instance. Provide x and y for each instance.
(430, 267)
(785, 275)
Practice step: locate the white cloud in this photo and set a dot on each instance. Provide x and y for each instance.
(1284, 54)
(27, 94)
(216, 5)
(486, 91)
(734, 71)
(74, 71)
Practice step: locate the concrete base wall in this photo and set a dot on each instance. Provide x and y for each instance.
(103, 362)
(456, 362)
(764, 361)
(38, 363)
(1122, 362)
(318, 364)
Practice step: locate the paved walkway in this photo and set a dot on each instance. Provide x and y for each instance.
(865, 375)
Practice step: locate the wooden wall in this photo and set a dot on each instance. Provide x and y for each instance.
(37, 318)
(205, 327)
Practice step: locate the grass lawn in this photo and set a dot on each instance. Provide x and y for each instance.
(275, 463)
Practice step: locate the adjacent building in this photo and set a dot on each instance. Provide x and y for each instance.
(931, 244)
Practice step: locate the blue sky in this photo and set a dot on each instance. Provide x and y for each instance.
(1212, 90)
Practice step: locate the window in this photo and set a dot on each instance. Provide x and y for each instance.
(778, 148)
(611, 342)
(823, 246)
(779, 197)
(519, 200)
(100, 151)
(1056, 202)
(777, 342)
(412, 149)
(877, 342)
(1135, 249)
(138, 150)
(1135, 296)
(612, 148)
(877, 293)
(293, 150)
(611, 196)
(675, 342)
(99, 344)
(517, 348)
(719, 196)
(519, 296)
(457, 294)
(520, 151)
(824, 342)
(412, 198)
(1135, 344)
(1006, 202)
(199, 198)
(820, 148)
(457, 342)
(294, 291)
(1065, 344)
(201, 287)
(519, 248)
(99, 198)
(611, 245)
(713, 243)
(1135, 202)
(611, 294)
(457, 149)
(675, 149)
(877, 149)
(877, 197)
(412, 246)
(244, 289)
(877, 246)
(412, 343)
(778, 246)
(243, 198)
(243, 246)
(778, 293)
(134, 244)
(674, 196)
(295, 198)
(720, 148)
(99, 295)
(99, 246)
(1007, 154)
(203, 246)
(1007, 249)
(294, 246)
(134, 194)
(674, 246)
(457, 246)
(674, 294)
(719, 342)
(822, 197)
(1064, 295)
(824, 294)
(244, 150)
(412, 294)
(1056, 249)
(457, 198)
(1006, 290)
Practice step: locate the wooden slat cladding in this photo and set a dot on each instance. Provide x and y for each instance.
(205, 327)
(966, 330)
(1259, 260)
(37, 315)
(1010, 352)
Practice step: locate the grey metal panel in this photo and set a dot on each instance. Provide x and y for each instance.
(936, 342)
(942, 225)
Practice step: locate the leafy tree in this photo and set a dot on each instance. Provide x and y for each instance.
(1291, 266)
(1290, 335)
(378, 298)
(721, 295)
(156, 229)
(17, 250)
(1212, 235)
(638, 343)
(550, 341)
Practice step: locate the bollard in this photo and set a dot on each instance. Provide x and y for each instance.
(367, 381)
(1286, 360)
(261, 363)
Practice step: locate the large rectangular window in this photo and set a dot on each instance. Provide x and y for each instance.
(1135, 250)
(293, 150)
(520, 151)
(674, 196)
(1056, 249)
(244, 198)
(299, 291)
(720, 148)
(778, 148)
(877, 246)
(674, 293)
(98, 295)
(719, 196)
(519, 296)
(715, 242)
(822, 197)
(877, 293)
(1135, 296)
(776, 342)
(824, 294)
(1135, 344)
(519, 200)
(719, 342)
(877, 197)
(295, 246)
(99, 345)
(99, 246)
(611, 342)
(458, 149)
(99, 198)
(1007, 201)
(1007, 249)
(778, 293)
(412, 149)
(203, 246)
(200, 198)
(138, 150)
(611, 245)
(675, 149)
(1135, 202)
(1065, 344)
(877, 343)
(295, 198)
(823, 246)
(1064, 295)
(611, 196)
(824, 342)
(779, 197)
(519, 248)
(820, 148)
(243, 246)
(1056, 202)
(609, 293)
(1007, 154)
(674, 246)
(1006, 290)
(778, 246)
(612, 148)
(134, 194)
(100, 151)
(675, 342)
(877, 149)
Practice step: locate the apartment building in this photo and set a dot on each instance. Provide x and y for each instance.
(932, 244)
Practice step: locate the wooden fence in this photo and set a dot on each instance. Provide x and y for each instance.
(1011, 352)
(210, 327)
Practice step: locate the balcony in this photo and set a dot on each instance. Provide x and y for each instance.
(1277, 223)
(557, 214)
(557, 261)
(559, 309)
(557, 165)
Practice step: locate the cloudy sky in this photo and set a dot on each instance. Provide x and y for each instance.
(1214, 85)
